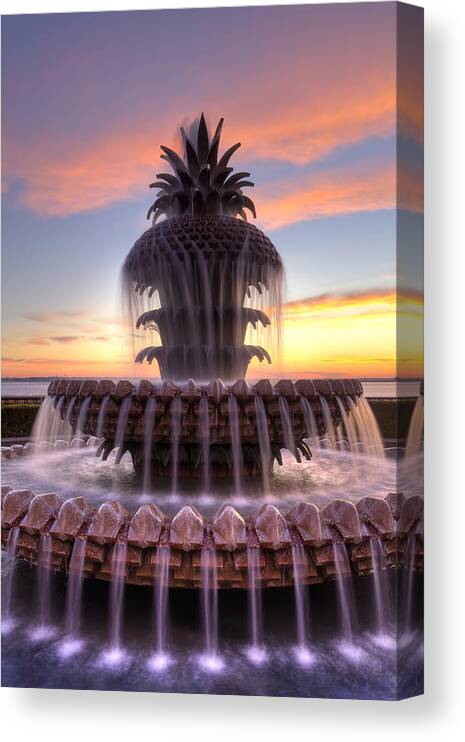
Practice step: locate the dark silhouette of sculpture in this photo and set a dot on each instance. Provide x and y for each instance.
(211, 271)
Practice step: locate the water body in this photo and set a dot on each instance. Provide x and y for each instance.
(370, 674)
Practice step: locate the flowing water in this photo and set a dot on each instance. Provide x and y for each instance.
(302, 607)
(121, 427)
(74, 591)
(204, 419)
(48, 425)
(263, 442)
(286, 424)
(415, 431)
(349, 426)
(175, 418)
(407, 588)
(256, 650)
(44, 576)
(102, 413)
(328, 475)
(344, 591)
(7, 601)
(118, 575)
(82, 417)
(381, 592)
(161, 601)
(149, 422)
(328, 420)
(41, 429)
(310, 422)
(235, 433)
(368, 434)
(209, 592)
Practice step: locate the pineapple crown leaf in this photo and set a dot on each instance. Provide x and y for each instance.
(201, 184)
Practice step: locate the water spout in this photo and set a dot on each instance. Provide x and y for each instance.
(44, 576)
(121, 426)
(175, 415)
(210, 659)
(205, 442)
(118, 576)
(328, 420)
(415, 431)
(256, 651)
(161, 600)
(42, 428)
(74, 591)
(149, 422)
(302, 608)
(310, 422)
(286, 424)
(263, 442)
(344, 591)
(380, 586)
(11, 545)
(82, 417)
(102, 413)
(235, 441)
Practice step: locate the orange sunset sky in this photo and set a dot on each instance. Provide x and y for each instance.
(334, 148)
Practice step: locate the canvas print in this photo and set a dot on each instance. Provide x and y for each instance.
(212, 371)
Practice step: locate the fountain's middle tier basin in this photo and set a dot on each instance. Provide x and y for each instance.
(204, 409)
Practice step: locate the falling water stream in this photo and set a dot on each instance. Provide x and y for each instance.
(381, 592)
(302, 607)
(407, 588)
(286, 424)
(7, 602)
(102, 413)
(256, 651)
(72, 641)
(118, 577)
(160, 659)
(42, 427)
(330, 432)
(233, 409)
(310, 421)
(44, 577)
(415, 431)
(74, 591)
(344, 591)
(204, 421)
(82, 417)
(60, 427)
(175, 418)
(348, 426)
(208, 566)
(121, 427)
(149, 422)
(263, 442)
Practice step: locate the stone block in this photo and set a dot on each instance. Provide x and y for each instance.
(42, 510)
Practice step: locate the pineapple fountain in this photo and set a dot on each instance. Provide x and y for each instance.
(207, 285)
(202, 279)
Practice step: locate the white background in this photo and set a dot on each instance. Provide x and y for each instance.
(72, 715)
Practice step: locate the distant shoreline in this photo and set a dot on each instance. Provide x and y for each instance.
(43, 379)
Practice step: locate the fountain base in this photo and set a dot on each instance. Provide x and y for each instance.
(393, 522)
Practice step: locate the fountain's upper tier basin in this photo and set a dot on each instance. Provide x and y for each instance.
(320, 396)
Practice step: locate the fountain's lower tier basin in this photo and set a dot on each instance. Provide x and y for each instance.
(46, 528)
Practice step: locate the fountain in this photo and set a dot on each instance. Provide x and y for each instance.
(208, 284)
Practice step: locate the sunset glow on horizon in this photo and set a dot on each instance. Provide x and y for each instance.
(320, 129)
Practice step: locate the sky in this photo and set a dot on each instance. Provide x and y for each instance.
(332, 140)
